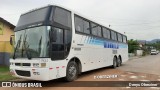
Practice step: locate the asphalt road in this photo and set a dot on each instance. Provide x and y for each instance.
(140, 69)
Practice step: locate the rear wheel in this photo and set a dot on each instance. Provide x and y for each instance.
(118, 62)
(72, 71)
(114, 62)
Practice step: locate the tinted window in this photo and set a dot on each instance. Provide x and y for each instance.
(112, 35)
(94, 29)
(62, 17)
(120, 37)
(57, 39)
(99, 31)
(106, 33)
(68, 37)
(115, 36)
(33, 17)
(124, 39)
(109, 34)
(78, 24)
(86, 27)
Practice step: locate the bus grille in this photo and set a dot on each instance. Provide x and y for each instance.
(22, 64)
(23, 73)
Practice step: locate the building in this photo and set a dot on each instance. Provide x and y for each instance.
(6, 30)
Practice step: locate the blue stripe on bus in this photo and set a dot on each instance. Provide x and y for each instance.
(106, 44)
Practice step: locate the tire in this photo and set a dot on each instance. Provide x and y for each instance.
(114, 62)
(118, 62)
(72, 71)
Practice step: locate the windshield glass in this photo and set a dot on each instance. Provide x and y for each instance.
(32, 43)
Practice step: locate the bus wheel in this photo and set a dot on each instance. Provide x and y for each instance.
(118, 62)
(114, 62)
(72, 71)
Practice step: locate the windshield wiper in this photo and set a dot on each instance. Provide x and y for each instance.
(26, 48)
(18, 44)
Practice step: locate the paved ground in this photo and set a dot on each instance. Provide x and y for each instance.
(149, 64)
(139, 69)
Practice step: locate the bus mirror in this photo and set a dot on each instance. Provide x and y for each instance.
(11, 39)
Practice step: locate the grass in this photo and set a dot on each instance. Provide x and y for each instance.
(5, 74)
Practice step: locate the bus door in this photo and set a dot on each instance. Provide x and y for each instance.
(60, 43)
(57, 50)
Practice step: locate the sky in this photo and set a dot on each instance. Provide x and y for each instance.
(138, 19)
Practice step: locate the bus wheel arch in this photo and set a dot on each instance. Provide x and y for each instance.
(78, 62)
(73, 69)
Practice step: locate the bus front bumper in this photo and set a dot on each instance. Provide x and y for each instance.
(40, 74)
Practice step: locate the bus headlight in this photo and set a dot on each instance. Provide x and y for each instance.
(36, 65)
(43, 64)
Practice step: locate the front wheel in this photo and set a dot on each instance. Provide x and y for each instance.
(72, 71)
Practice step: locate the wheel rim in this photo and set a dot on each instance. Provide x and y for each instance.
(72, 71)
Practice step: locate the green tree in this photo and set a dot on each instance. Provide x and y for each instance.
(132, 45)
(154, 45)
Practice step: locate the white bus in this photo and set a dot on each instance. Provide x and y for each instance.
(53, 42)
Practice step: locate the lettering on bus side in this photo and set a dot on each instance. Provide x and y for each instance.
(114, 51)
(77, 49)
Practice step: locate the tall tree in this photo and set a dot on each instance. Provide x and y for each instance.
(132, 45)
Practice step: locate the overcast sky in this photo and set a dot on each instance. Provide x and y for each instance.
(139, 19)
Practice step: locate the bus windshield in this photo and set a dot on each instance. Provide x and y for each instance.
(32, 43)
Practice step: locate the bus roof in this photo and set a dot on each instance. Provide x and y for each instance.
(74, 12)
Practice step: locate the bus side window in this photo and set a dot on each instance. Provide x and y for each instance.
(108, 33)
(115, 36)
(62, 18)
(94, 29)
(119, 37)
(99, 31)
(112, 35)
(86, 27)
(124, 39)
(78, 24)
